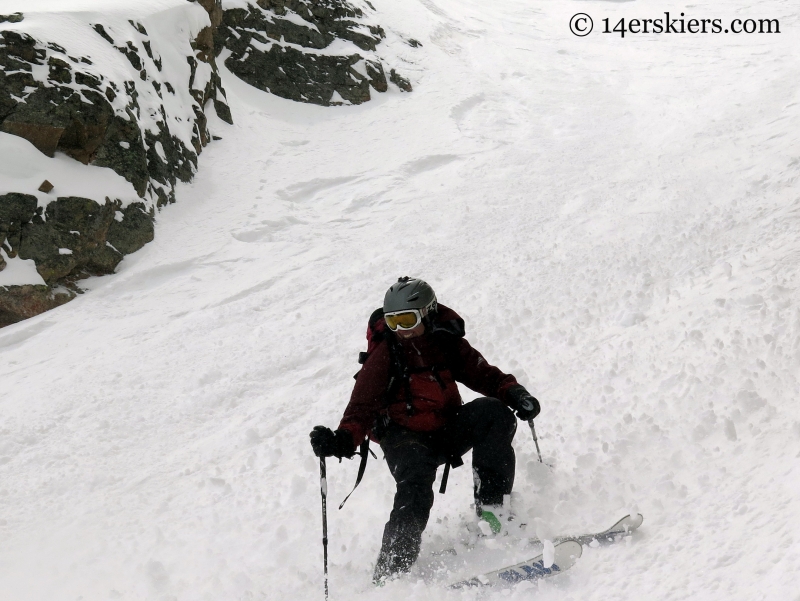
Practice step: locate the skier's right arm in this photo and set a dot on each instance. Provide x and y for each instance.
(367, 398)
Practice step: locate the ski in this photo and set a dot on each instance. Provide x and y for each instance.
(565, 555)
(567, 550)
(623, 527)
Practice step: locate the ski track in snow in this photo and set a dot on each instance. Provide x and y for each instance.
(615, 219)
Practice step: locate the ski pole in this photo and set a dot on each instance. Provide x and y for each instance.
(535, 440)
(323, 488)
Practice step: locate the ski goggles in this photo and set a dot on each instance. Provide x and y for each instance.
(403, 320)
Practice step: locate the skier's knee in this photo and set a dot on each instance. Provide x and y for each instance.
(498, 412)
(414, 497)
(507, 418)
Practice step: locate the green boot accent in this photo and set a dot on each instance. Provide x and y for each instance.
(491, 519)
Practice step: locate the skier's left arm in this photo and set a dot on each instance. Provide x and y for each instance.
(473, 370)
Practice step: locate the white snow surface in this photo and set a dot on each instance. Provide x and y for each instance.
(23, 169)
(127, 7)
(616, 220)
(19, 272)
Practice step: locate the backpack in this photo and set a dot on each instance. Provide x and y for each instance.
(377, 332)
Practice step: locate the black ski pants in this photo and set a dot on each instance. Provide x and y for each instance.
(486, 426)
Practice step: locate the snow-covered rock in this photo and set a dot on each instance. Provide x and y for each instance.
(304, 50)
(127, 95)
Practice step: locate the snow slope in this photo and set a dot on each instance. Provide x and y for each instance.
(615, 219)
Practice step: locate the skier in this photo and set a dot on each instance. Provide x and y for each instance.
(406, 398)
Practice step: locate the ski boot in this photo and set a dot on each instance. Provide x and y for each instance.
(495, 520)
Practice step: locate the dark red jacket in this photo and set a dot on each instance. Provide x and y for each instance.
(436, 361)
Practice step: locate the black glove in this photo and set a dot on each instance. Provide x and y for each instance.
(327, 443)
(523, 402)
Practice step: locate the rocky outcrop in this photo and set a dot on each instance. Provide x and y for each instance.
(16, 211)
(282, 47)
(77, 238)
(21, 302)
(150, 126)
(122, 124)
(79, 111)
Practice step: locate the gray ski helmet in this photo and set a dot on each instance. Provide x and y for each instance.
(410, 293)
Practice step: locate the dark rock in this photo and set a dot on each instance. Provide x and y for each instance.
(13, 18)
(204, 47)
(45, 187)
(123, 151)
(18, 55)
(223, 111)
(79, 225)
(203, 44)
(44, 137)
(60, 71)
(177, 161)
(22, 302)
(287, 71)
(132, 54)
(88, 80)
(134, 230)
(17, 208)
(87, 125)
(377, 78)
(15, 211)
(52, 117)
(23, 47)
(400, 81)
(196, 94)
(102, 31)
(139, 27)
(334, 19)
(214, 10)
(201, 135)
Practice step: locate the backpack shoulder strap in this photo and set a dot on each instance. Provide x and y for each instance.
(362, 467)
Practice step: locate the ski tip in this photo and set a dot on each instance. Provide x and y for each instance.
(634, 521)
(627, 524)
